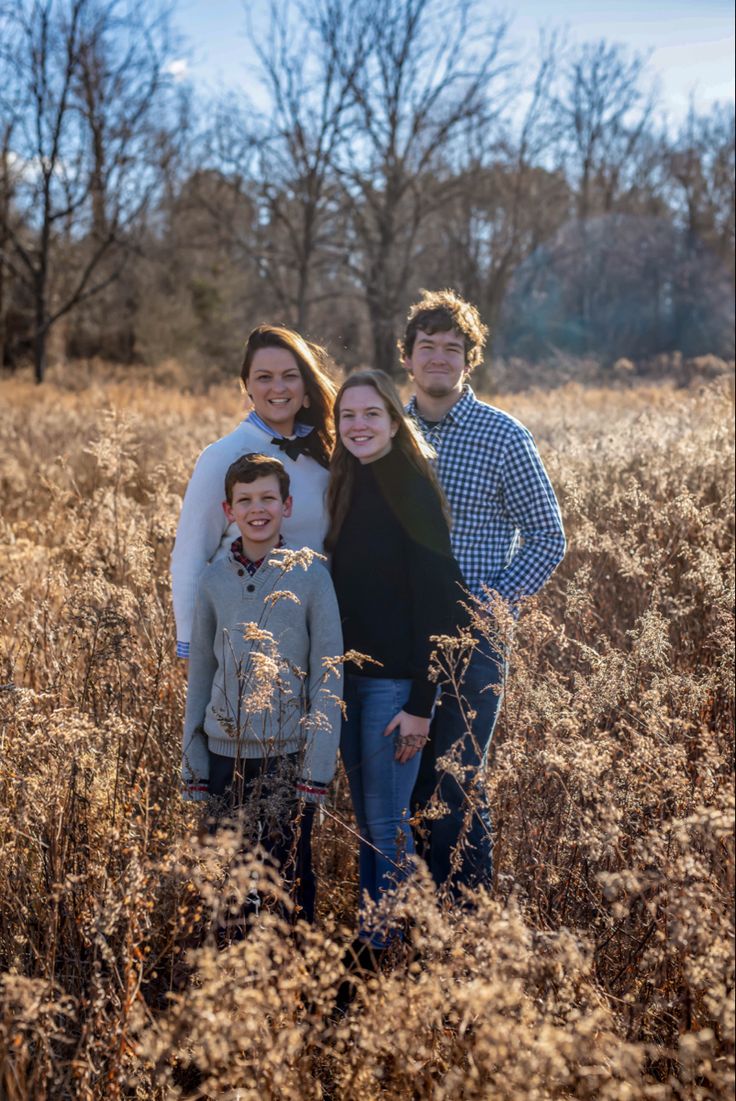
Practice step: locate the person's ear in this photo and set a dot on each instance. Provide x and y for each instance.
(288, 503)
(394, 428)
(406, 364)
(307, 402)
(229, 514)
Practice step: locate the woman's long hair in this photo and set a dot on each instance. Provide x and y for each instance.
(408, 440)
(312, 362)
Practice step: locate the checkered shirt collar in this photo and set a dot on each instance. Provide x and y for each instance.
(236, 549)
(456, 414)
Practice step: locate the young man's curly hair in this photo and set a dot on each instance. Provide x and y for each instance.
(440, 311)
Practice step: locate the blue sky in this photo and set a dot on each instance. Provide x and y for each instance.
(691, 41)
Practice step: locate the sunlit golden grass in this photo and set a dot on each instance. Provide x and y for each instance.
(601, 966)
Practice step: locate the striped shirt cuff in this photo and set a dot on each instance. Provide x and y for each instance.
(312, 791)
(182, 649)
(194, 791)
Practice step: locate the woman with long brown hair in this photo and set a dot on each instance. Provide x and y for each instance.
(397, 585)
(286, 379)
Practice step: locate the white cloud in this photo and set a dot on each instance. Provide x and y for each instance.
(178, 68)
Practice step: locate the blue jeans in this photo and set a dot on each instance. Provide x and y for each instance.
(457, 845)
(380, 787)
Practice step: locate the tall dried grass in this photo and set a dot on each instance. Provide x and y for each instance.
(602, 964)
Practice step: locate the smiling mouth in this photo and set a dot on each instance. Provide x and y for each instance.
(258, 523)
(279, 401)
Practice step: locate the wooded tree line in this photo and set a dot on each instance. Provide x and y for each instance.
(393, 144)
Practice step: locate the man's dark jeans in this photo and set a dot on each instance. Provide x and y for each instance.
(457, 845)
(289, 840)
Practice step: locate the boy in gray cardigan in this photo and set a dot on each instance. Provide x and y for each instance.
(263, 699)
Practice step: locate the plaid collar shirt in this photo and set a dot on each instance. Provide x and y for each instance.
(507, 531)
(236, 549)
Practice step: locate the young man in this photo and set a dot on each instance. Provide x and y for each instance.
(260, 708)
(507, 536)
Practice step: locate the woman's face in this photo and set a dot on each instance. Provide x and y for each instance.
(365, 426)
(276, 388)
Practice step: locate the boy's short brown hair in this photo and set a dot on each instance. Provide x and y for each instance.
(254, 465)
(440, 311)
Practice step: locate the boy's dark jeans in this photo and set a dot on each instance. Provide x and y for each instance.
(461, 836)
(288, 841)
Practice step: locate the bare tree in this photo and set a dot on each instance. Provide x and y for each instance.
(603, 116)
(281, 159)
(90, 78)
(7, 176)
(702, 177)
(509, 197)
(310, 92)
(427, 76)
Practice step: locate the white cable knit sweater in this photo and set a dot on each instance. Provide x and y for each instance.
(203, 532)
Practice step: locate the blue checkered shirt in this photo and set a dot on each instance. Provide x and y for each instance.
(507, 531)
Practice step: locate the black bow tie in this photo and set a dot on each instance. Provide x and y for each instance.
(300, 445)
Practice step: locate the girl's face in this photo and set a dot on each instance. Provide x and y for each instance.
(276, 388)
(364, 423)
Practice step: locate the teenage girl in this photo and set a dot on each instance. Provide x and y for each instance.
(397, 585)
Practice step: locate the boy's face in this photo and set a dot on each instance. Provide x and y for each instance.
(258, 511)
(437, 363)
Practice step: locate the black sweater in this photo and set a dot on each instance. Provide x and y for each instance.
(396, 580)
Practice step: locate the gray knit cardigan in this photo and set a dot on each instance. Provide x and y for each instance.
(260, 679)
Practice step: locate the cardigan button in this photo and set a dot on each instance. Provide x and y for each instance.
(240, 573)
(251, 588)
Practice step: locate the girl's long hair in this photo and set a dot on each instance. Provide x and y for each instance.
(408, 440)
(312, 361)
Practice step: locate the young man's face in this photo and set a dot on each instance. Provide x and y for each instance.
(437, 363)
(258, 511)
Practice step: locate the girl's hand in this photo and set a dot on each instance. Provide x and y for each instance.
(413, 735)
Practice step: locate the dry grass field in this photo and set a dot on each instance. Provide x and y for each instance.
(601, 966)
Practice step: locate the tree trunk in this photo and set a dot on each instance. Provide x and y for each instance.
(302, 298)
(385, 356)
(381, 299)
(40, 340)
(4, 357)
(5, 284)
(39, 357)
